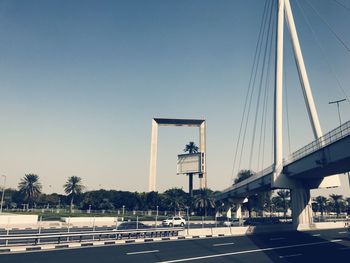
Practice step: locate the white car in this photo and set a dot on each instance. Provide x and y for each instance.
(233, 222)
(174, 221)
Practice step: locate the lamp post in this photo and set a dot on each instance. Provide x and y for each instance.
(188, 219)
(337, 102)
(123, 210)
(3, 193)
(157, 217)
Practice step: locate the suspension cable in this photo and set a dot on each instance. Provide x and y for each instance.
(324, 53)
(342, 5)
(252, 90)
(249, 87)
(337, 36)
(266, 99)
(269, 30)
(287, 111)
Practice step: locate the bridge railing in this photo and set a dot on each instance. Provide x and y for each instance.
(252, 178)
(327, 139)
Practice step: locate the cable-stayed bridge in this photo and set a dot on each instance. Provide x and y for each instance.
(313, 166)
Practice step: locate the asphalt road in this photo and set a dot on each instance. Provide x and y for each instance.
(312, 246)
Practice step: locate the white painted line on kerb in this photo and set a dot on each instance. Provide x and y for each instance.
(289, 256)
(316, 235)
(343, 232)
(250, 251)
(277, 238)
(223, 244)
(142, 252)
(344, 248)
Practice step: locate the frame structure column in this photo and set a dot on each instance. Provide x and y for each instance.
(203, 182)
(153, 159)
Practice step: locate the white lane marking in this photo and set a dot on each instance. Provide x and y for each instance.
(316, 235)
(250, 251)
(142, 252)
(223, 244)
(277, 238)
(293, 255)
(344, 248)
(343, 232)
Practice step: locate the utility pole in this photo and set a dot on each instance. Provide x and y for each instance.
(337, 102)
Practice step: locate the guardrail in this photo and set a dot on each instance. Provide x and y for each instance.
(327, 139)
(91, 235)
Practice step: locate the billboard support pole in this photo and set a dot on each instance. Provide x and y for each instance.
(190, 184)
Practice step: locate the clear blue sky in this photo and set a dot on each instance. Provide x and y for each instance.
(80, 82)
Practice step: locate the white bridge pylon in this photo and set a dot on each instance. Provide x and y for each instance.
(300, 193)
(284, 13)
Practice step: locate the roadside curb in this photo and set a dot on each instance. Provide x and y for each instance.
(19, 249)
(2, 228)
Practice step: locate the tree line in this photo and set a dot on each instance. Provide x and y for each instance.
(29, 195)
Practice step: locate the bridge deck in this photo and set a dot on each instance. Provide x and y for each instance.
(314, 158)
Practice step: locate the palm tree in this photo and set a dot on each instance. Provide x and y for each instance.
(284, 195)
(321, 202)
(30, 187)
(175, 198)
(348, 205)
(191, 148)
(336, 199)
(204, 199)
(73, 187)
(242, 175)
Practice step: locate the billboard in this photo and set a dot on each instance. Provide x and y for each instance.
(190, 163)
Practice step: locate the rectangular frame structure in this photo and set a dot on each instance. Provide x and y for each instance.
(197, 123)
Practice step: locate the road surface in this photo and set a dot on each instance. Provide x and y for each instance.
(312, 246)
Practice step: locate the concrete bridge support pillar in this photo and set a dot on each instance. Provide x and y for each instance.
(238, 210)
(301, 207)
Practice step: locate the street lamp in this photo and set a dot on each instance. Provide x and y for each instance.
(3, 193)
(188, 219)
(123, 209)
(337, 102)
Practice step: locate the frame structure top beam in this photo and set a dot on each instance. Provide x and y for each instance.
(178, 122)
